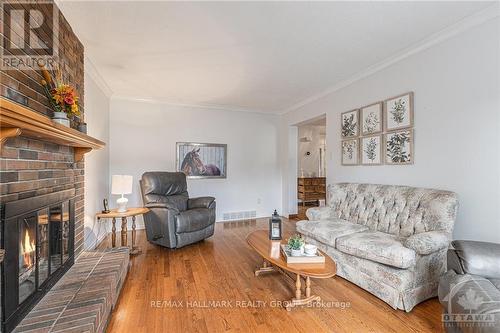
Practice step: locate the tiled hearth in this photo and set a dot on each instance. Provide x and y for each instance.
(83, 299)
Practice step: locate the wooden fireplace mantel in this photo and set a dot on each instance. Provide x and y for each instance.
(16, 120)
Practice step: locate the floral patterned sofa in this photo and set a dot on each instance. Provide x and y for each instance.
(389, 240)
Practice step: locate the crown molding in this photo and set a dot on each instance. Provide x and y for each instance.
(191, 105)
(91, 70)
(465, 24)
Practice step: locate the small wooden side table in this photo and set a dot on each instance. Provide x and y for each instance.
(131, 212)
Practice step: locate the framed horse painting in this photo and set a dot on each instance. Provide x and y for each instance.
(202, 160)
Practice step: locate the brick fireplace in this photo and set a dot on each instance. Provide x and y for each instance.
(31, 167)
(40, 166)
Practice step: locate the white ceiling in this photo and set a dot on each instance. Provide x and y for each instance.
(258, 56)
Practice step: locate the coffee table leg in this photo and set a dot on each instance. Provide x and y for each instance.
(298, 291)
(298, 300)
(308, 286)
(135, 249)
(266, 267)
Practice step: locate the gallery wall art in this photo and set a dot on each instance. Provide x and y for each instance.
(379, 133)
(371, 119)
(371, 150)
(202, 160)
(399, 112)
(350, 152)
(350, 124)
(399, 147)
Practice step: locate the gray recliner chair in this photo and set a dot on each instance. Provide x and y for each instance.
(175, 220)
(470, 290)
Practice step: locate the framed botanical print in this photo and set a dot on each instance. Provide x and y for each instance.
(349, 124)
(398, 112)
(350, 152)
(371, 119)
(371, 150)
(399, 147)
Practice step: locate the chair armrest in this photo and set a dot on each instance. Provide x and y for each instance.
(163, 205)
(478, 258)
(201, 202)
(319, 213)
(160, 223)
(428, 242)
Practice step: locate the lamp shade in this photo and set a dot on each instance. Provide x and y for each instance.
(121, 184)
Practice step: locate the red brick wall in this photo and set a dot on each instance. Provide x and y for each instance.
(24, 87)
(30, 167)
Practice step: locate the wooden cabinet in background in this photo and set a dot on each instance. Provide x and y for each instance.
(311, 189)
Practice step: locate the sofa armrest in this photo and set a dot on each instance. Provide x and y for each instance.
(478, 258)
(427, 242)
(319, 213)
(201, 202)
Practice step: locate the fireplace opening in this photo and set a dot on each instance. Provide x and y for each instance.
(38, 238)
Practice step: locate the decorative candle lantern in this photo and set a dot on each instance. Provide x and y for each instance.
(275, 227)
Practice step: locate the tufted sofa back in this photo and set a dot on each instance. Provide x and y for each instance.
(398, 210)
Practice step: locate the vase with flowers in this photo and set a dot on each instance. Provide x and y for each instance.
(62, 97)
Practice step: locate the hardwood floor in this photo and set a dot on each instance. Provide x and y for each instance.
(170, 290)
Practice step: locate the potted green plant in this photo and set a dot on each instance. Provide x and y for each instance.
(296, 245)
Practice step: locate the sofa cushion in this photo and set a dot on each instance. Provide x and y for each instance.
(327, 231)
(377, 246)
(192, 220)
(428, 242)
(320, 213)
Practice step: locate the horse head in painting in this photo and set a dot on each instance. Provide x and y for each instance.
(192, 165)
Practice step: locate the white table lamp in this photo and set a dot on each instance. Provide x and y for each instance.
(121, 184)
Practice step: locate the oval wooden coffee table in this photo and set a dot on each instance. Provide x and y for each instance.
(274, 260)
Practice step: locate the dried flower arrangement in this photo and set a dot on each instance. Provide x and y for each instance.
(62, 96)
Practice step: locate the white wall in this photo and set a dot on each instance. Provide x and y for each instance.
(143, 137)
(309, 164)
(97, 161)
(289, 172)
(457, 110)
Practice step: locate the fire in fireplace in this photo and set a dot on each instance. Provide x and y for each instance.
(38, 238)
(28, 251)
(27, 277)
